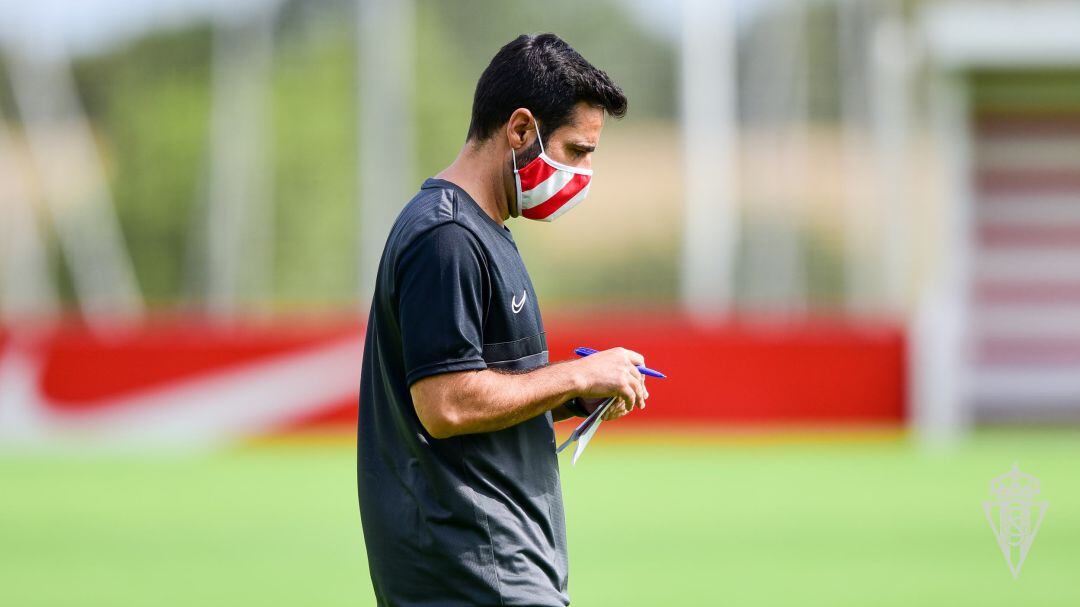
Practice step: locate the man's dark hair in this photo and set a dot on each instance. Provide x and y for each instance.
(545, 75)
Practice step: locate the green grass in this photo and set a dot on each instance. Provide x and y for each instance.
(659, 523)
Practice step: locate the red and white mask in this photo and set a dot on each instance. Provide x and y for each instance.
(546, 189)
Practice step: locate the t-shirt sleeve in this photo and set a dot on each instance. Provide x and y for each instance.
(442, 289)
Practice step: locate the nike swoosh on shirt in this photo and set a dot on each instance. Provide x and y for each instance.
(516, 305)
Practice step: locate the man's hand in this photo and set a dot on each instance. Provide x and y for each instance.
(613, 373)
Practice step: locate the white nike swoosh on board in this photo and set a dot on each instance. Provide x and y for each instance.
(204, 410)
(516, 305)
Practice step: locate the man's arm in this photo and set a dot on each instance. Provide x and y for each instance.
(469, 402)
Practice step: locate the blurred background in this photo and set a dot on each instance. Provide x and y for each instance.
(848, 230)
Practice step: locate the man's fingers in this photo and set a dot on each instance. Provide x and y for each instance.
(637, 382)
(639, 395)
(635, 358)
(628, 395)
(616, 411)
(610, 413)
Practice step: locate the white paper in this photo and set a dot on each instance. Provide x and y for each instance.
(585, 430)
(583, 441)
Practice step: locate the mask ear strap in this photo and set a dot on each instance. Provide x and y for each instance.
(539, 139)
(517, 187)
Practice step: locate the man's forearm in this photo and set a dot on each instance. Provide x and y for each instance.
(485, 401)
(496, 400)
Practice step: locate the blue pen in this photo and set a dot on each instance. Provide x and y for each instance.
(642, 369)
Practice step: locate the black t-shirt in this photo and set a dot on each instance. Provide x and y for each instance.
(475, 519)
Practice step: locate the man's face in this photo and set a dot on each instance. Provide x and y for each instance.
(573, 143)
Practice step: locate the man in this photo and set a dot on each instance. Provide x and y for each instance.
(458, 478)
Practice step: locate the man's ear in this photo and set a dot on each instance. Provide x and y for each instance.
(518, 129)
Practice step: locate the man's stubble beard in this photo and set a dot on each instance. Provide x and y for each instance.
(523, 159)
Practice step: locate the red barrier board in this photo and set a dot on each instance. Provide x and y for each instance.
(756, 373)
(214, 381)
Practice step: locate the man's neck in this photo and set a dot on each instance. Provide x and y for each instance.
(475, 172)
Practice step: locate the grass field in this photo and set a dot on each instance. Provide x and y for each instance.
(674, 520)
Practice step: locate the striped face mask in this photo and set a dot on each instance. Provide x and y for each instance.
(546, 189)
